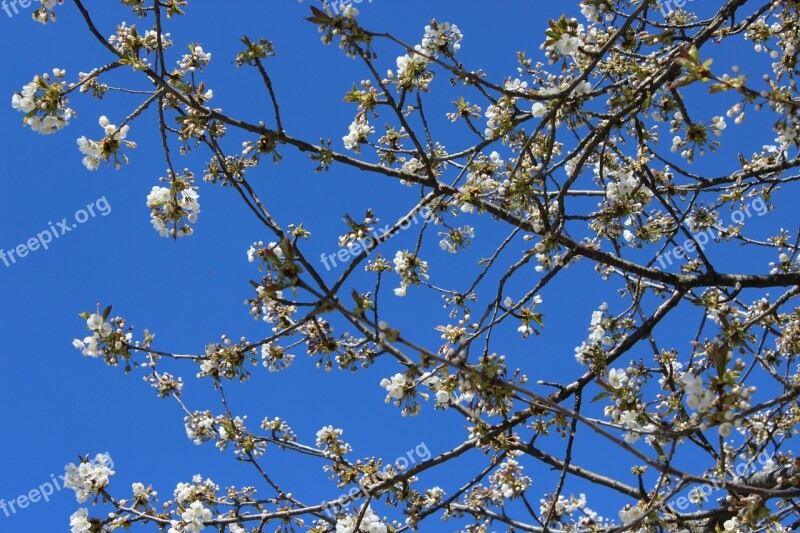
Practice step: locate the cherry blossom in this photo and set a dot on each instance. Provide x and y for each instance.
(577, 171)
(89, 477)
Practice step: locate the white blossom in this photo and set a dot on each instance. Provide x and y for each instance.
(370, 523)
(89, 477)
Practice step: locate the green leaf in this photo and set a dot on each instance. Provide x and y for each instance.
(604, 394)
(359, 310)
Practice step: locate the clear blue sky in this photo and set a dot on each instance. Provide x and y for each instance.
(58, 404)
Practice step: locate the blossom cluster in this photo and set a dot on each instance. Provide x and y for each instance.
(89, 477)
(44, 102)
(369, 523)
(441, 38)
(598, 337)
(398, 388)
(197, 59)
(227, 359)
(109, 338)
(329, 438)
(96, 152)
(411, 269)
(173, 209)
(193, 519)
(358, 134)
(509, 482)
(201, 426)
(413, 68)
(624, 188)
(45, 12)
(564, 507)
(136, 45)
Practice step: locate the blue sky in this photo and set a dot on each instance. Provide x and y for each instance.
(58, 404)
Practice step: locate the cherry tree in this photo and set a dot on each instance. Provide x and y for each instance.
(591, 157)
